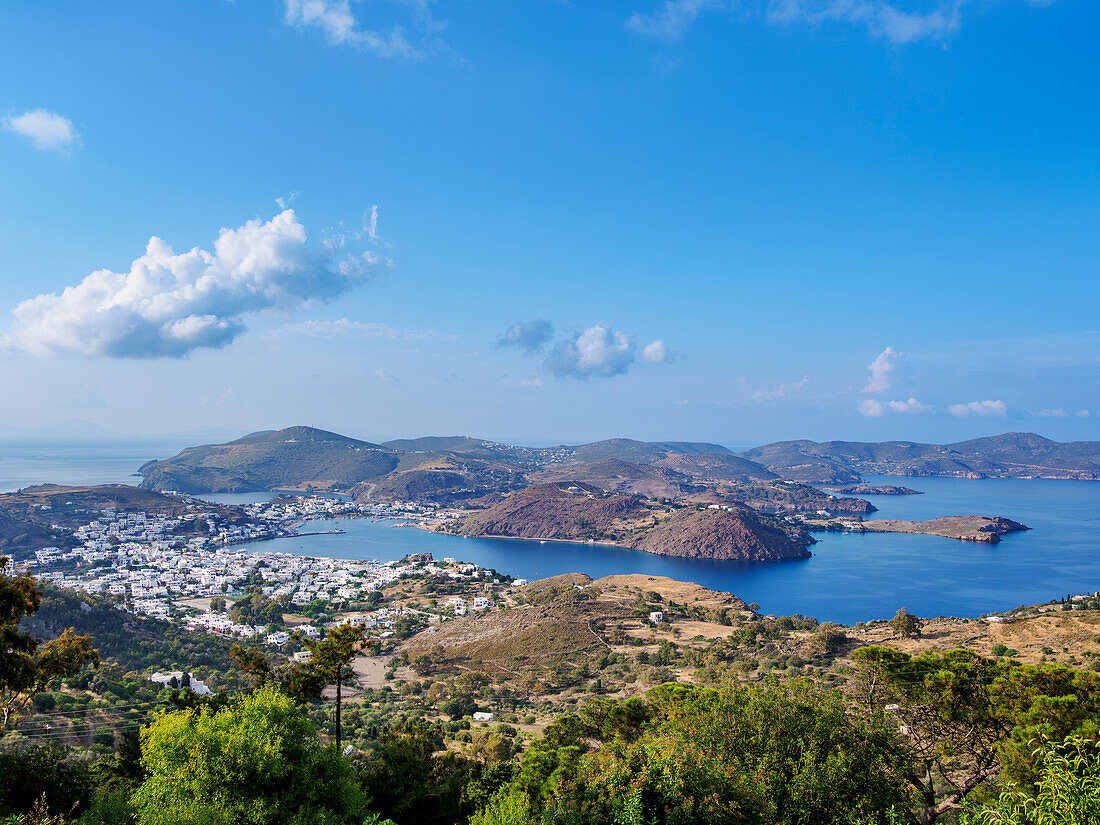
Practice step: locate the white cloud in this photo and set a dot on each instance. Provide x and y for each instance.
(655, 352)
(783, 391)
(46, 130)
(385, 377)
(531, 382)
(168, 305)
(599, 351)
(1059, 413)
(1082, 414)
(876, 409)
(899, 22)
(338, 23)
(672, 19)
(342, 327)
(985, 409)
(529, 336)
(370, 222)
(880, 370)
(880, 19)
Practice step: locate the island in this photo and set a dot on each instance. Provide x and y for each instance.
(1009, 455)
(875, 490)
(984, 529)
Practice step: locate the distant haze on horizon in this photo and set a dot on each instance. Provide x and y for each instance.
(544, 223)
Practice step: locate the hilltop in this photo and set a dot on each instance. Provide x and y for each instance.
(293, 458)
(1010, 455)
(581, 512)
(440, 468)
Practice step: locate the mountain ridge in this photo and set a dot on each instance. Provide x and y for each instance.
(1006, 455)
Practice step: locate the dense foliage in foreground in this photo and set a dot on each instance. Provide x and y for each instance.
(907, 739)
(762, 754)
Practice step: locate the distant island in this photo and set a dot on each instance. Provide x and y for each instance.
(1011, 455)
(875, 490)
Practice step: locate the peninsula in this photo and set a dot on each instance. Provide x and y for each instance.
(581, 512)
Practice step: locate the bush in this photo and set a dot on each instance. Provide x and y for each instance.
(1068, 791)
(258, 761)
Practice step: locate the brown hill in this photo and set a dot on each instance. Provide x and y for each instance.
(580, 512)
(564, 511)
(620, 476)
(735, 534)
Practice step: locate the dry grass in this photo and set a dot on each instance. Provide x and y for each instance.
(629, 586)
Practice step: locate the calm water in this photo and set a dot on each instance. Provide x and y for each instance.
(24, 463)
(850, 576)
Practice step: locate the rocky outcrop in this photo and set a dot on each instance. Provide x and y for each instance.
(875, 490)
(984, 529)
(578, 512)
(738, 535)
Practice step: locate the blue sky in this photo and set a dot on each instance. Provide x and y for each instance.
(718, 215)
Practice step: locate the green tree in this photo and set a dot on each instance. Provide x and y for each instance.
(764, 754)
(906, 625)
(52, 773)
(258, 762)
(332, 656)
(963, 719)
(408, 780)
(656, 780)
(1067, 793)
(26, 668)
(251, 661)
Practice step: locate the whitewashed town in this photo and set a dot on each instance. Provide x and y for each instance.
(140, 559)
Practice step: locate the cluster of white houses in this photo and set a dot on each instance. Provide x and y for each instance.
(143, 559)
(293, 509)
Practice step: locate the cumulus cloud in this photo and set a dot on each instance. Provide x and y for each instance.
(672, 19)
(876, 409)
(169, 304)
(339, 25)
(48, 131)
(881, 370)
(984, 409)
(599, 352)
(655, 352)
(1059, 413)
(529, 336)
(1082, 414)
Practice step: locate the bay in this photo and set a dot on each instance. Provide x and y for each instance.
(849, 578)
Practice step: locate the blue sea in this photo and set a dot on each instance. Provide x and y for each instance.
(850, 577)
